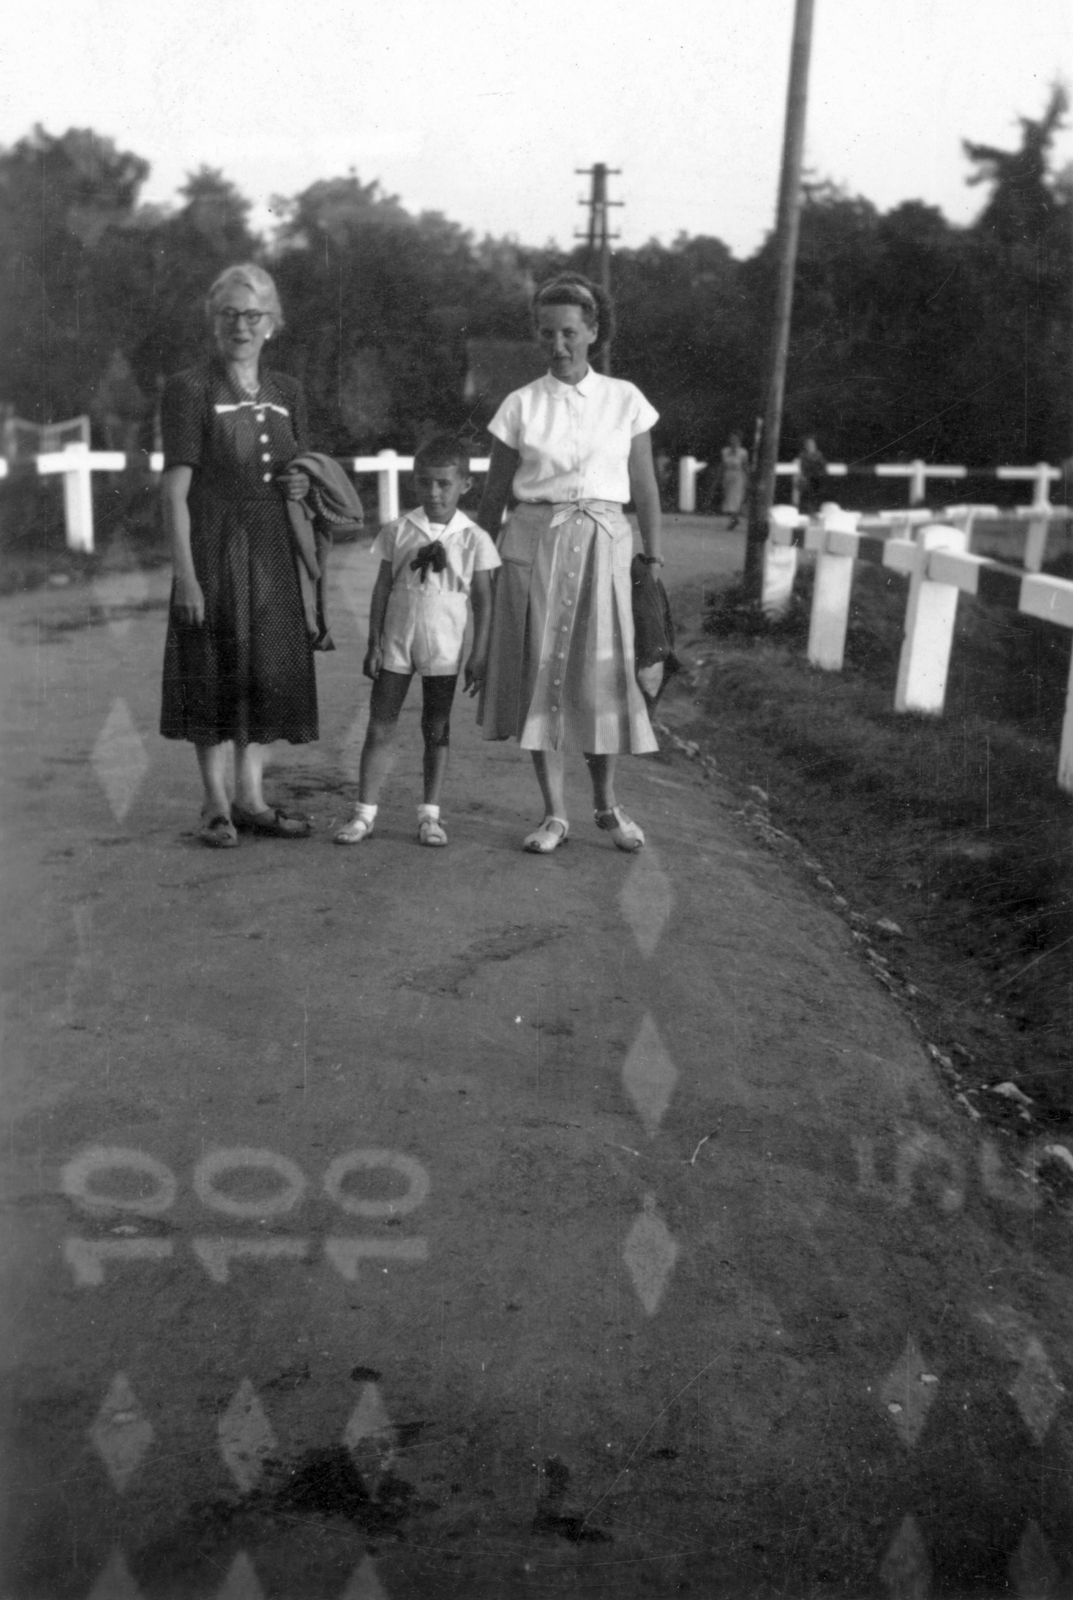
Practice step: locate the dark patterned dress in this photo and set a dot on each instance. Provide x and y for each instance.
(247, 673)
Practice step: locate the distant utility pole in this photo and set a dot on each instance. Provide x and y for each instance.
(786, 228)
(599, 237)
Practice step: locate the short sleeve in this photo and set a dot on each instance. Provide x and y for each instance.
(506, 425)
(485, 556)
(182, 421)
(383, 546)
(643, 415)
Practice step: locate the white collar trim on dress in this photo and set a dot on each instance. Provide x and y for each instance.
(457, 524)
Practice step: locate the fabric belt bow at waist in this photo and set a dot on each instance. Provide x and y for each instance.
(430, 555)
(601, 512)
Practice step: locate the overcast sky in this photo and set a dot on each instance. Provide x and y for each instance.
(482, 109)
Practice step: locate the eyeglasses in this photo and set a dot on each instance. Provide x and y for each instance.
(231, 318)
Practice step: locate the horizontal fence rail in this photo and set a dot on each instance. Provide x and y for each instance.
(934, 556)
(77, 462)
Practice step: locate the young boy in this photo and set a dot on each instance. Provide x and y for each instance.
(432, 561)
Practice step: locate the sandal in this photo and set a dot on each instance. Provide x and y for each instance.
(272, 820)
(218, 833)
(545, 839)
(431, 831)
(354, 831)
(623, 830)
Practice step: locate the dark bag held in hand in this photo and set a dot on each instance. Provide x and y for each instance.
(653, 632)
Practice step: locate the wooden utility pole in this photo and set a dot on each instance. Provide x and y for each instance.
(599, 237)
(786, 229)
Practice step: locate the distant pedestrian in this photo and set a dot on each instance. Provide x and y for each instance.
(572, 447)
(734, 477)
(433, 561)
(810, 479)
(238, 661)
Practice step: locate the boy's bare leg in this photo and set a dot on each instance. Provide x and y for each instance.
(377, 760)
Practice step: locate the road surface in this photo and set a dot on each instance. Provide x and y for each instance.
(391, 1222)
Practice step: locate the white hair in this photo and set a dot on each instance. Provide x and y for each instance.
(246, 275)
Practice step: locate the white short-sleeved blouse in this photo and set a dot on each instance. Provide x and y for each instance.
(573, 438)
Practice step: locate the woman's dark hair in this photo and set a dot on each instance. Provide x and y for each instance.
(574, 289)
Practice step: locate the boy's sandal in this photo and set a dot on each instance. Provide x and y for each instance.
(431, 831)
(623, 830)
(553, 832)
(354, 831)
(272, 821)
(218, 833)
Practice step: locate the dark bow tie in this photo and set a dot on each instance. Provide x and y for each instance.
(430, 555)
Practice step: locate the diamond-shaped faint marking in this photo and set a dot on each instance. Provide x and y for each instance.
(1033, 1570)
(650, 1253)
(364, 1583)
(241, 1581)
(906, 1396)
(115, 1581)
(649, 1075)
(121, 1433)
(370, 1430)
(120, 759)
(1037, 1390)
(905, 1571)
(246, 1437)
(646, 899)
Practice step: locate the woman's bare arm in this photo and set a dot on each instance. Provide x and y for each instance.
(501, 470)
(189, 602)
(645, 494)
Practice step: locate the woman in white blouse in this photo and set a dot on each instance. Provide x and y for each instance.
(572, 447)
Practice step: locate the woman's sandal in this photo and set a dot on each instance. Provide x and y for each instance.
(431, 831)
(623, 830)
(545, 839)
(354, 831)
(218, 833)
(272, 821)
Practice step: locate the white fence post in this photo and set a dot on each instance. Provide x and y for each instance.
(688, 467)
(388, 485)
(917, 483)
(929, 626)
(831, 595)
(1041, 486)
(780, 560)
(77, 462)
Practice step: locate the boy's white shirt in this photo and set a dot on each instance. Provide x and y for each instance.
(425, 624)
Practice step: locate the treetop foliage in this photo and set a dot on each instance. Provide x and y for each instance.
(911, 336)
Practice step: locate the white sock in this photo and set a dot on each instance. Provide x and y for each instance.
(432, 813)
(366, 813)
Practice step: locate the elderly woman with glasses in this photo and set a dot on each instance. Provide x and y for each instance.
(238, 662)
(571, 448)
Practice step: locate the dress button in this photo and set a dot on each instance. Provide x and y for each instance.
(264, 438)
(265, 456)
(267, 476)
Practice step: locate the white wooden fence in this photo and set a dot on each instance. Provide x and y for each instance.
(917, 473)
(934, 555)
(76, 462)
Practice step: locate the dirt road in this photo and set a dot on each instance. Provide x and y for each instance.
(393, 1222)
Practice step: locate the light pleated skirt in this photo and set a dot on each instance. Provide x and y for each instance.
(561, 665)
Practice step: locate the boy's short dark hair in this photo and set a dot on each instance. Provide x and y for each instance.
(443, 450)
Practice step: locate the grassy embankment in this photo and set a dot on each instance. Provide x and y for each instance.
(951, 827)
